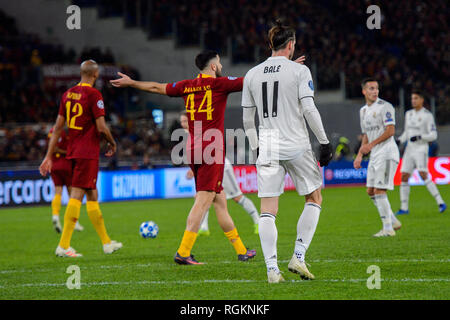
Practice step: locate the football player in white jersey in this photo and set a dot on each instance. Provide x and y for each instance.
(420, 129)
(282, 92)
(231, 188)
(377, 118)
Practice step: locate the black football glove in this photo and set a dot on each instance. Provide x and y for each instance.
(415, 138)
(326, 154)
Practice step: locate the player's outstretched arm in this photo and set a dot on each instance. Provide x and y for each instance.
(104, 130)
(46, 165)
(149, 86)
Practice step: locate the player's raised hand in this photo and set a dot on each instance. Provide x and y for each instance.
(124, 81)
(301, 60)
(112, 148)
(46, 166)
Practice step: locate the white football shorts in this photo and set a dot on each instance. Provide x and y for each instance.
(380, 174)
(303, 170)
(415, 160)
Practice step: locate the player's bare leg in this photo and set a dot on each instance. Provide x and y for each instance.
(433, 190)
(228, 227)
(204, 227)
(203, 201)
(56, 207)
(306, 227)
(96, 217)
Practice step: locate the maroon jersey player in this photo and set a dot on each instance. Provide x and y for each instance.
(205, 100)
(62, 176)
(83, 110)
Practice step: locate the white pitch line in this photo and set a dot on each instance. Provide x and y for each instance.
(146, 265)
(128, 283)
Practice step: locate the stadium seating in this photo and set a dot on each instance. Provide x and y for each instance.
(332, 33)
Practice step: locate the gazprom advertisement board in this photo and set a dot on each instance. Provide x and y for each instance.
(29, 188)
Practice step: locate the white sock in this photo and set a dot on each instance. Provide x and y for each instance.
(268, 235)
(404, 195)
(306, 227)
(434, 191)
(393, 217)
(384, 209)
(204, 224)
(248, 206)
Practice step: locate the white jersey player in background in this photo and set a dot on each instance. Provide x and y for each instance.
(377, 119)
(282, 92)
(420, 129)
(231, 188)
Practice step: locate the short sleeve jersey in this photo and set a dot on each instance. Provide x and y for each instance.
(205, 100)
(374, 119)
(81, 106)
(276, 88)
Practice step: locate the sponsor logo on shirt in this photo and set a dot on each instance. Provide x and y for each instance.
(232, 78)
(100, 104)
(311, 85)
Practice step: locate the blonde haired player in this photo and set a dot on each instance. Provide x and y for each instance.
(282, 92)
(420, 129)
(377, 118)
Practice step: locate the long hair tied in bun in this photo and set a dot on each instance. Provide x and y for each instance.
(280, 35)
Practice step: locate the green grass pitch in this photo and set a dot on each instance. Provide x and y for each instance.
(414, 265)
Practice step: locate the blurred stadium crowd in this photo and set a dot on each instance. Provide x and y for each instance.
(28, 104)
(410, 51)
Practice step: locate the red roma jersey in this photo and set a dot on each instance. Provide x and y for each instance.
(81, 106)
(61, 144)
(205, 99)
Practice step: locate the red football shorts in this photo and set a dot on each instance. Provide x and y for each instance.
(208, 177)
(84, 173)
(62, 172)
